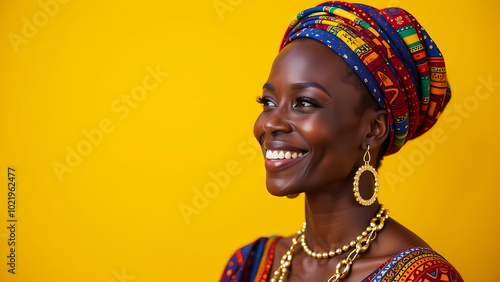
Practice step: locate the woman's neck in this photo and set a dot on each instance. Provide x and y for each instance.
(335, 219)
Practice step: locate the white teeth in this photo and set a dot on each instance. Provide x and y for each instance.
(275, 155)
(279, 155)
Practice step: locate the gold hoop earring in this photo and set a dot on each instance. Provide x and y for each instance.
(363, 168)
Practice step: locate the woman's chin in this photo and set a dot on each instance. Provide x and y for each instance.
(280, 190)
(276, 193)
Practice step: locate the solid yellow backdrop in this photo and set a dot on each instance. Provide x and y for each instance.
(129, 126)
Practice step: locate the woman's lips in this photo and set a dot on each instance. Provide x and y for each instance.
(278, 159)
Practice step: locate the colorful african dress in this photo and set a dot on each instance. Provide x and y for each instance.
(253, 263)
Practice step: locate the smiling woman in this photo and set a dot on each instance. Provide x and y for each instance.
(350, 82)
(322, 126)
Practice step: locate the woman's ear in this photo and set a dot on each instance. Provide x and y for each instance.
(379, 128)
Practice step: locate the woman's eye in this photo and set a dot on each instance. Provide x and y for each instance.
(306, 102)
(266, 102)
(300, 102)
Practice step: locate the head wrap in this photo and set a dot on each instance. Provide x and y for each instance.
(392, 54)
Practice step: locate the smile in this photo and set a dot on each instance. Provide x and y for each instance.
(280, 155)
(277, 160)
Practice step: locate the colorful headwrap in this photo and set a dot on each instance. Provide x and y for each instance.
(393, 55)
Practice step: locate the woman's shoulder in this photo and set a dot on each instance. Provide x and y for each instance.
(395, 238)
(416, 263)
(409, 257)
(251, 261)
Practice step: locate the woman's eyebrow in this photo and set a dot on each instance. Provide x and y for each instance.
(298, 86)
(302, 85)
(268, 86)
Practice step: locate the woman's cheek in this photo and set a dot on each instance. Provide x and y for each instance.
(317, 130)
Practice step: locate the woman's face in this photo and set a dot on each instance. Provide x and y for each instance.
(310, 130)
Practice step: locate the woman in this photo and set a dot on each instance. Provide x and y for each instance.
(350, 85)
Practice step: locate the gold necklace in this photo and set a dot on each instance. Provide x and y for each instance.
(361, 244)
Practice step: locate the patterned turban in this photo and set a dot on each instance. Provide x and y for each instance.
(392, 54)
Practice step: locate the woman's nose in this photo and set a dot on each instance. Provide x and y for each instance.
(277, 122)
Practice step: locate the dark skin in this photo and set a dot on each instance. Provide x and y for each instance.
(312, 106)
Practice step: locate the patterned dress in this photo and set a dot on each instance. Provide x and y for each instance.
(253, 263)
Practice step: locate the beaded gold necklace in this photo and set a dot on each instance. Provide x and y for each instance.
(361, 244)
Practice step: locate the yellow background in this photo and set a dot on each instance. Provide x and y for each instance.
(115, 215)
